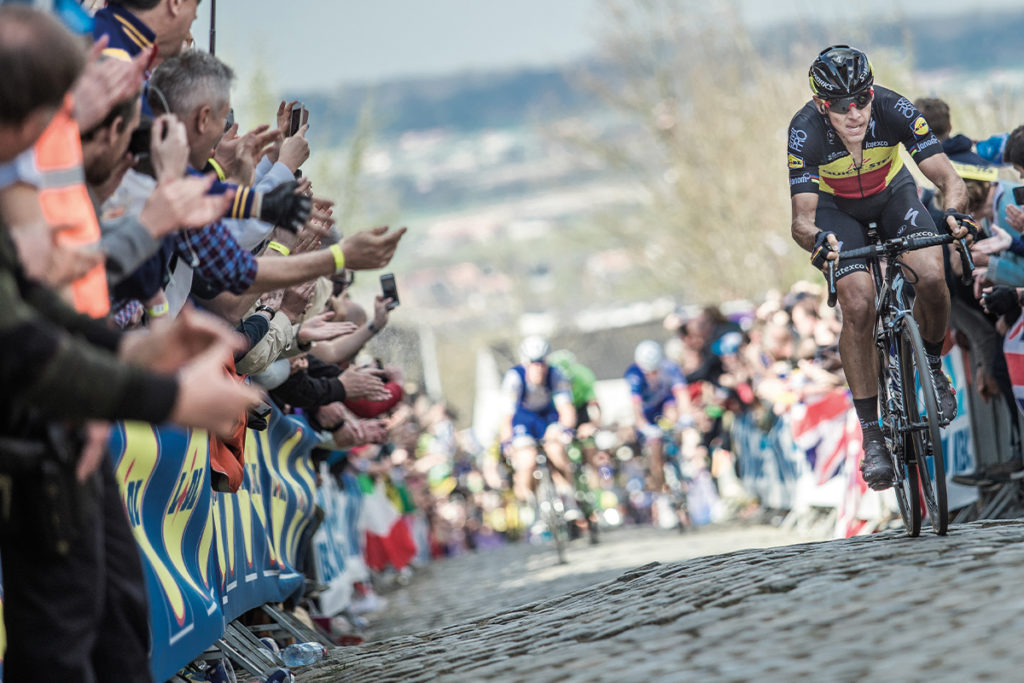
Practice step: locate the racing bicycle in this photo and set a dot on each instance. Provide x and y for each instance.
(907, 403)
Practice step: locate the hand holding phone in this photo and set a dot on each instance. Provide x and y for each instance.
(389, 289)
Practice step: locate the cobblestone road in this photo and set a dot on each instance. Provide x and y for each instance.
(881, 606)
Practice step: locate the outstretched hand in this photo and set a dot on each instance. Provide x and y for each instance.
(320, 328)
(371, 249)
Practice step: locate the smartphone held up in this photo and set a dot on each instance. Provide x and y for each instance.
(389, 289)
(298, 113)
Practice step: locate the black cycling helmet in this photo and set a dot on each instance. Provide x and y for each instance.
(840, 71)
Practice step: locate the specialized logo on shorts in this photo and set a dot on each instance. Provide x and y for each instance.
(920, 127)
(905, 107)
(911, 216)
(795, 161)
(797, 138)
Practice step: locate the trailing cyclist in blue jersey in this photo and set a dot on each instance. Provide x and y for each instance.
(845, 171)
(659, 392)
(539, 408)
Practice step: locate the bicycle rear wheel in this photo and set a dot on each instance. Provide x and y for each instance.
(907, 487)
(924, 441)
(552, 511)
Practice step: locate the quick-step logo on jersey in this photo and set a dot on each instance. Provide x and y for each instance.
(878, 167)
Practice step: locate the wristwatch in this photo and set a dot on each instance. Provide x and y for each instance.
(371, 327)
(263, 308)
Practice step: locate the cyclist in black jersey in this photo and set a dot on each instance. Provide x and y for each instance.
(845, 170)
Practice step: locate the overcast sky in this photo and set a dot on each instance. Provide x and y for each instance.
(318, 44)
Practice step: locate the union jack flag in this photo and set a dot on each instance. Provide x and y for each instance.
(824, 432)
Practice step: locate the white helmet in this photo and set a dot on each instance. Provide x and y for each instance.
(648, 355)
(533, 349)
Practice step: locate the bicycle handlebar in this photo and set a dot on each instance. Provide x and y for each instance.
(893, 248)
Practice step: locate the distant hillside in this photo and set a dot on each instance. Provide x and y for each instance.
(476, 101)
(461, 102)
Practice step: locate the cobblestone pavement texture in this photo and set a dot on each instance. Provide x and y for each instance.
(882, 606)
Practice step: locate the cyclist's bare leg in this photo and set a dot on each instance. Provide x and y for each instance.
(931, 307)
(856, 349)
(554, 446)
(931, 310)
(856, 341)
(656, 464)
(524, 458)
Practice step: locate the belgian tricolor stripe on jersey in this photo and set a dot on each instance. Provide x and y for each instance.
(843, 179)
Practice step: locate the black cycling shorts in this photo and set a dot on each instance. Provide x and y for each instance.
(897, 210)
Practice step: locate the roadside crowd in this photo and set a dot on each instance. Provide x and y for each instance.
(162, 262)
(159, 263)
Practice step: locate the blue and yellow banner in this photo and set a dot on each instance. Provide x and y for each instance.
(209, 557)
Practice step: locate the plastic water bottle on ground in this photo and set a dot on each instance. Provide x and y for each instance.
(302, 654)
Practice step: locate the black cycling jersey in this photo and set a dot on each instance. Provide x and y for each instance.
(819, 161)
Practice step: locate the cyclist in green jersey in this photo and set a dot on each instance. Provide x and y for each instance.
(582, 381)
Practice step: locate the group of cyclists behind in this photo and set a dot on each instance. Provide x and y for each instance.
(551, 404)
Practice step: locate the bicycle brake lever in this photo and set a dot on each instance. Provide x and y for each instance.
(832, 294)
(967, 263)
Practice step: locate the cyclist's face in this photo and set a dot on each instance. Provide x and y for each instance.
(852, 124)
(535, 372)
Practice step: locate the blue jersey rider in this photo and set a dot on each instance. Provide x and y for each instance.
(539, 408)
(659, 391)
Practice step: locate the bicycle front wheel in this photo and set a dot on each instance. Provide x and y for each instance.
(924, 441)
(552, 511)
(890, 406)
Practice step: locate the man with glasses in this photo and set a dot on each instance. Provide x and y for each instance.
(845, 170)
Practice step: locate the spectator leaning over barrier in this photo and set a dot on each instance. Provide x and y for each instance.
(177, 201)
(71, 577)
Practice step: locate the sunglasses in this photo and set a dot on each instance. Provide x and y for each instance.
(844, 104)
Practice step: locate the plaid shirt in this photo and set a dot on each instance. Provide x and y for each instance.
(215, 256)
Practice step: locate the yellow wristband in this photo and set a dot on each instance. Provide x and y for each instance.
(220, 171)
(159, 310)
(279, 248)
(339, 257)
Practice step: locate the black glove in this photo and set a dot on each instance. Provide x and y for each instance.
(1001, 300)
(282, 207)
(821, 250)
(964, 219)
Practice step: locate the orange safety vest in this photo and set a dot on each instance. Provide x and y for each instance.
(65, 201)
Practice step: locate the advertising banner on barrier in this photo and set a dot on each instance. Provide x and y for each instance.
(758, 466)
(957, 439)
(164, 477)
(209, 557)
(330, 547)
(259, 526)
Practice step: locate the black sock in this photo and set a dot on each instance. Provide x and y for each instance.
(867, 413)
(934, 352)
